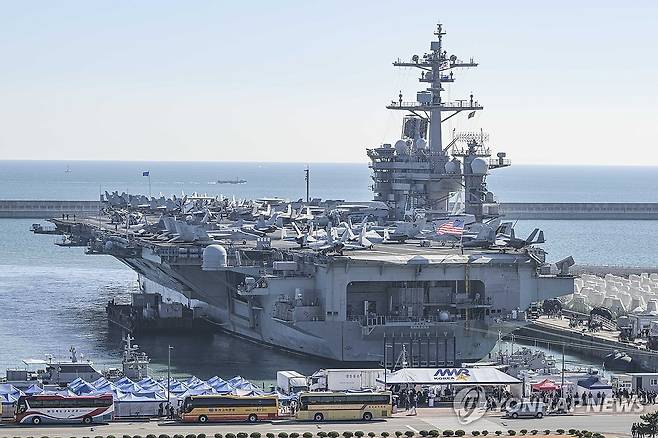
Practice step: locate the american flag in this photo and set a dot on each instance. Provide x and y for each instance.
(456, 228)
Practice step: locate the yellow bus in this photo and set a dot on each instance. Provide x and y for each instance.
(320, 406)
(204, 408)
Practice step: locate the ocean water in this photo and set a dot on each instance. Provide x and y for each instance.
(53, 298)
(49, 180)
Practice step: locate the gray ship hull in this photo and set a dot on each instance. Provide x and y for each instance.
(352, 337)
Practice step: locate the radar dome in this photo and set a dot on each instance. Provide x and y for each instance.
(479, 166)
(401, 147)
(214, 258)
(420, 143)
(444, 316)
(453, 166)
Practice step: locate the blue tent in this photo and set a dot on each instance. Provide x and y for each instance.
(201, 385)
(237, 381)
(33, 389)
(248, 386)
(246, 392)
(127, 385)
(108, 387)
(175, 387)
(101, 381)
(594, 383)
(79, 387)
(193, 381)
(149, 384)
(9, 393)
(215, 380)
(222, 387)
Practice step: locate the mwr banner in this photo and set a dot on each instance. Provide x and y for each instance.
(452, 376)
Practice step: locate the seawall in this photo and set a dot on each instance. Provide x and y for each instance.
(580, 210)
(45, 209)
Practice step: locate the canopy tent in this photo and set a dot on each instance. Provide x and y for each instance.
(149, 384)
(193, 392)
(9, 395)
(237, 381)
(594, 383)
(192, 381)
(108, 387)
(215, 380)
(545, 385)
(222, 388)
(8, 391)
(248, 386)
(450, 376)
(136, 399)
(247, 392)
(175, 387)
(201, 385)
(127, 385)
(80, 387)
(33, 389)
(138, 405)
(101, 381)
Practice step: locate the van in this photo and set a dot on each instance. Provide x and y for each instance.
(526, 408)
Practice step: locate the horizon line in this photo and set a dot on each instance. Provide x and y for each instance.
(301, 162)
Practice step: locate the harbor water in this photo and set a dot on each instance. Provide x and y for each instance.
(55, 297)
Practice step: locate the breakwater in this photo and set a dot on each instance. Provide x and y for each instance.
(43, 209)
(580, 210)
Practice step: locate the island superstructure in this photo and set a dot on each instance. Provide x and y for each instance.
(418, 173)
(304, 277)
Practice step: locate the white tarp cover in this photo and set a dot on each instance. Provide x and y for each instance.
(450, 376)
(132, 405)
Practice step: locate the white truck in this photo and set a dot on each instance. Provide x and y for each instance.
(290, 382)
(354, 379)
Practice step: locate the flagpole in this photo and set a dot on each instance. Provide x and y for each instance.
(149, 185)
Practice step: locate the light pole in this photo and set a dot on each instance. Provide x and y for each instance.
(169, 348)
(562, 387)
(307, 178)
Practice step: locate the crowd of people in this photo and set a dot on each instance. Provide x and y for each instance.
(644, 397)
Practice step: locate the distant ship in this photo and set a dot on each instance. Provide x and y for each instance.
(232, 181)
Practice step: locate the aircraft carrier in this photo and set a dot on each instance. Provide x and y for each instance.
(419, 280)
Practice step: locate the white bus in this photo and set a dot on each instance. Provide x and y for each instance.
(320, 406)
(38, 409)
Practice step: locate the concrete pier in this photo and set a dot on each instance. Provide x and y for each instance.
(593, 344)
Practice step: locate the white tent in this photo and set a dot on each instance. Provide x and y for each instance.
(134, 405)
(450, 376)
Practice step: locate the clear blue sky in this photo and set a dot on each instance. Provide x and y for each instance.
(561, 82)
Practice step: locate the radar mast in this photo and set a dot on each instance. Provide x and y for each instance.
(419, 173)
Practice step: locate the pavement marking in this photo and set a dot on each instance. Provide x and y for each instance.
(414, 430)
